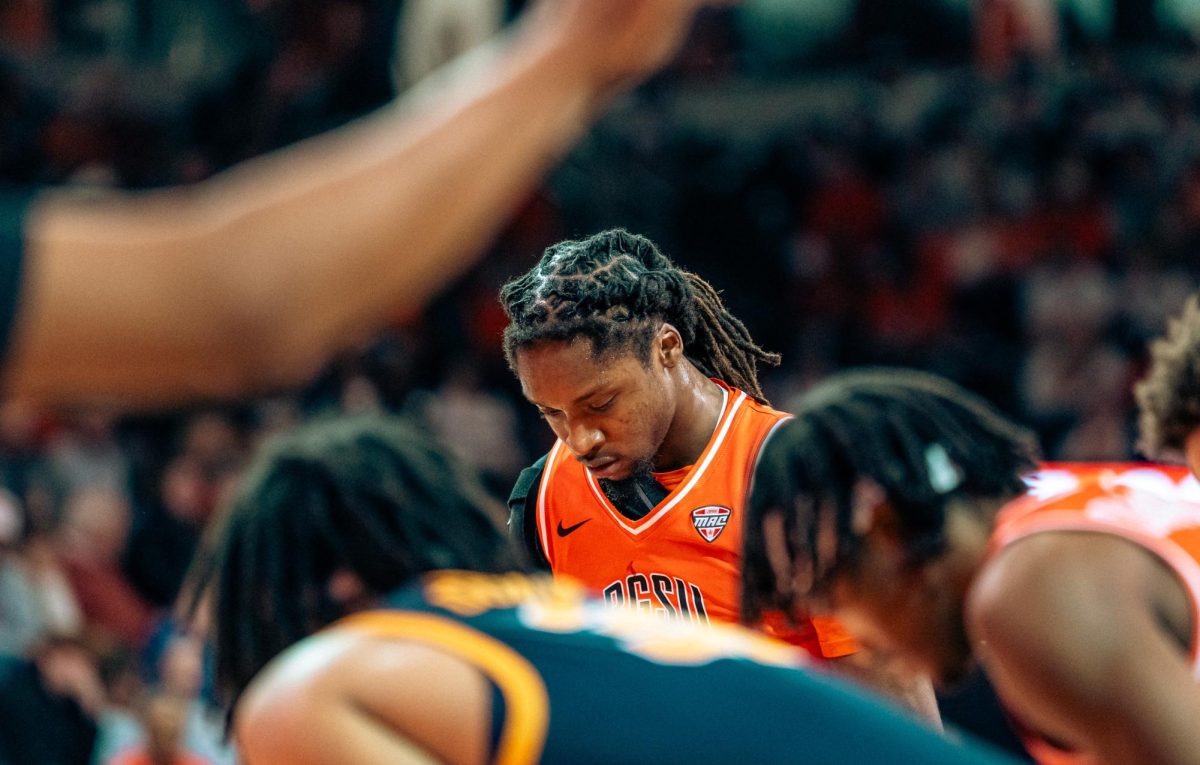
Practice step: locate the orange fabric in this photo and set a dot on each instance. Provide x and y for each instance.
(1045, 754)
(683, 559)
(1146, 504)
(821, 636)
(672, 478)
(142, 757)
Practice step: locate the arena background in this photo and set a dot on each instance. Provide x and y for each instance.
(1006, 192)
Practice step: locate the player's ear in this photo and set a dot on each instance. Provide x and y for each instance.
(668, 345)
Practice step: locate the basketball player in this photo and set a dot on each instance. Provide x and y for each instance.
(894, 502)
(651, 387)
(254, 278)
(482, 664)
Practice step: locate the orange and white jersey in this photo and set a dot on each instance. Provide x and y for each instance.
(683, 558)
(1152, 506)
(1155, 507)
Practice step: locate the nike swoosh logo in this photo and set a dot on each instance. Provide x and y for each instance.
(564, 530)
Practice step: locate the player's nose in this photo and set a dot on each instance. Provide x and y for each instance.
(584, 441)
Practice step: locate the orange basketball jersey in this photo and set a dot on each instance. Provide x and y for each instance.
(1151, 506)
(682, 559)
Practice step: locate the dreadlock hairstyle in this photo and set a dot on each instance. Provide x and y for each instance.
(616, 289)
(1169, 396)
(372, 496)
(919, 439)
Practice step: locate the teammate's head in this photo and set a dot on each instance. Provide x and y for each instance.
(329, 517)
(1169, 396)
(600, 332)
(857, 503)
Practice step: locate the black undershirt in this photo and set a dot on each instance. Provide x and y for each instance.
(636, 496)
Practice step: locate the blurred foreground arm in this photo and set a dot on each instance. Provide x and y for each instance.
(253, 279)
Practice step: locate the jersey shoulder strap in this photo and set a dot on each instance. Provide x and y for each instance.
(522, 513)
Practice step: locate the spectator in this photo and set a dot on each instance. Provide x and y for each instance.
(91, 540)
(36, 598)
(161, 548)
(478, 425)
(21, 622)
(87, 454)
(118, 727)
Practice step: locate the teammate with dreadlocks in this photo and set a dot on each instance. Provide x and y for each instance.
(651, 386)
(893, 500)
(361, 517)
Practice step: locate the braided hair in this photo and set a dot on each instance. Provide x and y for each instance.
(616, 289)
(368, 495)
(922, 441)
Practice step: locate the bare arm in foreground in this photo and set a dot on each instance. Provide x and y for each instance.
(253, 279)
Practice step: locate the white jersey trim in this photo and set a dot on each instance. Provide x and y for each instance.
(551, 466)
(711, 451)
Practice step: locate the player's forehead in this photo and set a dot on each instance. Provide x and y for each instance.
(558, 373)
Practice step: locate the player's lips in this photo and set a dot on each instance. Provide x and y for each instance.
(602, 467)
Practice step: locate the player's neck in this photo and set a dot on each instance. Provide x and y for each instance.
(697, 410)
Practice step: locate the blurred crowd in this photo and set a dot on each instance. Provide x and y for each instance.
(1014, 221)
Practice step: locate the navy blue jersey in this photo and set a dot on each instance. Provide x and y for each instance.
(581, 682)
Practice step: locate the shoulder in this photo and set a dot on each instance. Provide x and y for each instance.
(527, 482)
(1063, 612)
(752, 419)
(749, 405)
(1071, 628)
(1054, 569)
(521, 515)
(1050, 581)
(309, 706)
(292, 689)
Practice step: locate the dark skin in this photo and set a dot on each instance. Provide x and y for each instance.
(253, 279)
(1085, 635)
(617, 413)
(333, 699)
